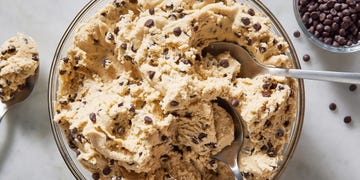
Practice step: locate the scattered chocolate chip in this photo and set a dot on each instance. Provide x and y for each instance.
(251, 12)
(332, 106)
(297, 34)
(106, 170)
(347, 119)
(151, 11)
(96, 176)
(148, 120)
(257, 26)
(149, 23)
(177, 31)
(306, 57)
(92, 117)
(174, 103)
(11, 49)
(245, 21)
(121, 131)
(202, 136)
(224, 63)
(234, 102)
(352, 87)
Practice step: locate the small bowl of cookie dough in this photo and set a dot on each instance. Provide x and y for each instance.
(131, 91)
(330, 24)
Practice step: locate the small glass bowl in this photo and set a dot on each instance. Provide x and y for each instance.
(89, 10)
(316, 41)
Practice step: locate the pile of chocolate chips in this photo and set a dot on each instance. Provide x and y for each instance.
(334, 22)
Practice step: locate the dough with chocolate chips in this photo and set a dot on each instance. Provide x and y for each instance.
(18, 61)
(136, 90)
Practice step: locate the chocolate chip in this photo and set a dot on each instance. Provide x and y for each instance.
(286, 123)
(151, 11)
(109, 36)
(106, 170)
(266, 94)
(120, 131)
(352, 87)
(224, 63)
(164, 138)
(188, 148)
(267, 123)
(116, 30)
(11, 49)
(271, 152)
(297, 34)
(245, 21)
(123, 46)
(95, 176)
(202, 136)
(347, 119)
(280, 133)
(195, 140)
(92, 117)
(248, 41)
(306, 57)
(132, 108)
(62, 72)
(149, 23)
(148, 120)
(234, 102)
(212, 162)
(174, 103)
(262, 49)
(35, 57)
(164, 157)
(177, 31)
(257, 26)
(133, 1)
(332, 106)
(151, 74)
(251, 12)
(3, 52)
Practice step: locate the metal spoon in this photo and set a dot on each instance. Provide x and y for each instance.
(20, 95)
(253, 68)
(229, 154)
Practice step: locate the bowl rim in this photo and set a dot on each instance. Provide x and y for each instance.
(57, 132)
(316, 41)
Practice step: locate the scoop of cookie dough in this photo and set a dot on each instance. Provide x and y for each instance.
(18, 61)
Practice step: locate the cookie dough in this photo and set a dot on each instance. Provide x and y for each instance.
(18, 61)
(136, 90)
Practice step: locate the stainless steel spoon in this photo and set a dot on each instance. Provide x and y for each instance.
(229, 155)
(20, 95)
(253, 68)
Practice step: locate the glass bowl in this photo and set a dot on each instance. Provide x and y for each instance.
(316, 41)
(89, 10)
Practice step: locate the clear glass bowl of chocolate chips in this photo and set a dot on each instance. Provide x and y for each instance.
(112, 118)
(333, 25)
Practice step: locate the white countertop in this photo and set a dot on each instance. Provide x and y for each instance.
(328, 148)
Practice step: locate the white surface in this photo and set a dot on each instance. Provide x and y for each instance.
(328, 148)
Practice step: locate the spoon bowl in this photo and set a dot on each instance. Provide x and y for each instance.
(20, 95)
(230, 154)
(253, 68)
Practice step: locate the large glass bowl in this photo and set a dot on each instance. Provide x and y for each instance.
(89, 10)
(316, 41)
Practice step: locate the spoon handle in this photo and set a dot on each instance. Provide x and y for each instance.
(3, 109)
(341, 77)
